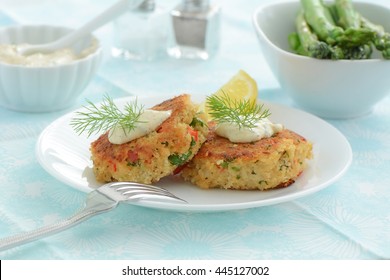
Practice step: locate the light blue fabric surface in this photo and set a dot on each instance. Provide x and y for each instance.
(348, 220)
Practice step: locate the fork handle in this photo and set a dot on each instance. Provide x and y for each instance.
(91, 209)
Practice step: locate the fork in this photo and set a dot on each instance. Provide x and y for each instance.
(103, 199)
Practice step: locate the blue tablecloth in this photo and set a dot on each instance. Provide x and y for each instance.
(348, 220)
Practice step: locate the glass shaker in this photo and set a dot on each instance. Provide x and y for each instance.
(142, 33)
(196, 30)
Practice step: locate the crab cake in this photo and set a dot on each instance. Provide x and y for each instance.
(149, 158)
(269, 163)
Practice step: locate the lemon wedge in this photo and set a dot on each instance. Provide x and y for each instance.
(240, 87)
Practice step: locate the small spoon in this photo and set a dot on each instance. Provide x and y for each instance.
(112, 12)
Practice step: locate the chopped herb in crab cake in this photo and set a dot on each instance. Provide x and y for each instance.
(157, 154)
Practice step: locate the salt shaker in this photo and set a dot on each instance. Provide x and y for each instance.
(142, 33)
(196, 30)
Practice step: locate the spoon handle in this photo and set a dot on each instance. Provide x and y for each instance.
(65, 41)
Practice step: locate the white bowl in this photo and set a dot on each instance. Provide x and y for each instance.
(327, 88)
(44, 89)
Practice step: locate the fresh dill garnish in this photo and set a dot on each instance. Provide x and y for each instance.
(97, 119)
(243, 113)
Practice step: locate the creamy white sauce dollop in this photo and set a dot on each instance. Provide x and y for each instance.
(9, 54)
(148, 121)
(263, 129)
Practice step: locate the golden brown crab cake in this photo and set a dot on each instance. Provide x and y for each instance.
(269, 163)
(157, 154)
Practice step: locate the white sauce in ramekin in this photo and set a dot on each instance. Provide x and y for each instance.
(9, 54)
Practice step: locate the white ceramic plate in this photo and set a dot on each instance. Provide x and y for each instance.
(65, 155)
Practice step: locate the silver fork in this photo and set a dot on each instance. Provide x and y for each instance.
(103, 199)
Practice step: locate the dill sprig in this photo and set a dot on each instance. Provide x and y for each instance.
(108, 115)
(244, 113)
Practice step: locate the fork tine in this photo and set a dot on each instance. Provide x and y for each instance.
(133, 190)
(130, 185)
(130, 190)
(142, 196)
(132, 193)
(124, 188)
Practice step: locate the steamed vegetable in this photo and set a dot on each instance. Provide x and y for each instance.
(356, 40)
(347, 16)
(307, 42)
(336, 31)
(321, 21)
(381, 39)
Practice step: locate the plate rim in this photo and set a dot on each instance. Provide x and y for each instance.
(203, 207)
